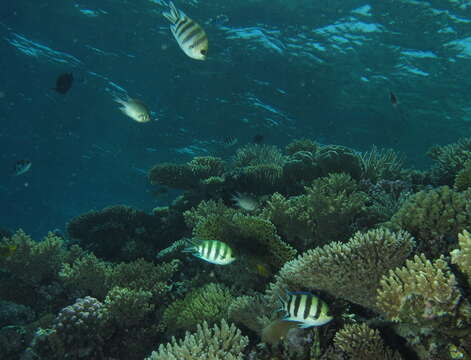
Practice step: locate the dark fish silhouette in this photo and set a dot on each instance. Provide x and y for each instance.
(64, 83)
(258, 139)
(21, 166)
(393, 98)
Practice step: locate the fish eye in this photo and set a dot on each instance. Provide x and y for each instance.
(203, 52)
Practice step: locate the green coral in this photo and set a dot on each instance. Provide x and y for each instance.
(351, 271)
(449, 160)
(179, 176)
(339, 159)
(205, 209)
(255, 154)
(204, 167)
(128, 307)
(384, 164)
(221, 342)
(324, 213)
(301, 145)
(434, 217)
(463, 177)
(209, 303)
(117, 232)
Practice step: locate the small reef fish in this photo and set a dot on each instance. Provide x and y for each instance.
(7, 250)
(189, 35)
(21, 167)
(230, 141)
(212, 251)
(64, 83)
(245, 202)
(134, 108)
(393, 99)
(305, 308)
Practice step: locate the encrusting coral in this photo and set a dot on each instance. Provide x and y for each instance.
(221, 342)
(350, 271)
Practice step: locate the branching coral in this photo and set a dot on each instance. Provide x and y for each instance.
(339, 159)
(351, 271)
(117, 232)
(422, 292)
(255, 154)
(179, 176)
(209, 303)
(463, 177)
(383, 164)
(301, 145)
(462, 256)
(325, 213)
(449, 160)
(221, 342)
(31, 265)
(358, 341)
(205, 209)
(204, 167)
(434, 218)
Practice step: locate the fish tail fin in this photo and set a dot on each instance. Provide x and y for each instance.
(191, 248)
(173, 15)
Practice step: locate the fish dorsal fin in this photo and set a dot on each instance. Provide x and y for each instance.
(174, 14)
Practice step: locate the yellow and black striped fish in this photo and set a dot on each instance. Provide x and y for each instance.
(189, 35)
(305, 308)
(213, 251)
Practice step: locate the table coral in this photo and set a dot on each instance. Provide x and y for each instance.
(351, 271)
(221, 342)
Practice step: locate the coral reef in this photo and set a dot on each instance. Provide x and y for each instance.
(463, 177)
(178, 176)
(350, 271)
(209, 303)
(383, 164)
(435, 217)
(462, 256)
(221, 342)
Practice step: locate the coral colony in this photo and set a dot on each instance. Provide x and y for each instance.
(343, 255)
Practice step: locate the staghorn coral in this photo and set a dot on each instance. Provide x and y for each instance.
(326, 212)
(179, 176)
(358, 341)
(462, 256)
(221, 342)
(384, 164)
(434, 218)
(205, 209)
(422, 292)
(204, 167)
(351, 271)
(117, 232)
(209, 303)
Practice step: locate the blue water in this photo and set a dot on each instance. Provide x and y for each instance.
(284, 69)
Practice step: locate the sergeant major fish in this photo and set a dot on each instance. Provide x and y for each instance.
(305, 308)
(212, 251)
(134, 108)
(189, 35)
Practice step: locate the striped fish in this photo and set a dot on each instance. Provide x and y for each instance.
(305, 308)
(189, 35)
(213, 251)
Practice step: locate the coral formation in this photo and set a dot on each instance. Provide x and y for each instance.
(209, 303)
(463, 177)
(383, 164)
(221, 342)
(351, 271)
(462, 256)
(179, 176)
(435, 217)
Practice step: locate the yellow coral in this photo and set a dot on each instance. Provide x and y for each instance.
(462, 256)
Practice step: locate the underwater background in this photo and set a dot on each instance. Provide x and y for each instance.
(310, 124)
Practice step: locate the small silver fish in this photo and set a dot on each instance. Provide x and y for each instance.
(134, 108)
(212, 251)
(21, 167)
(305, 308)
(189, 35)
